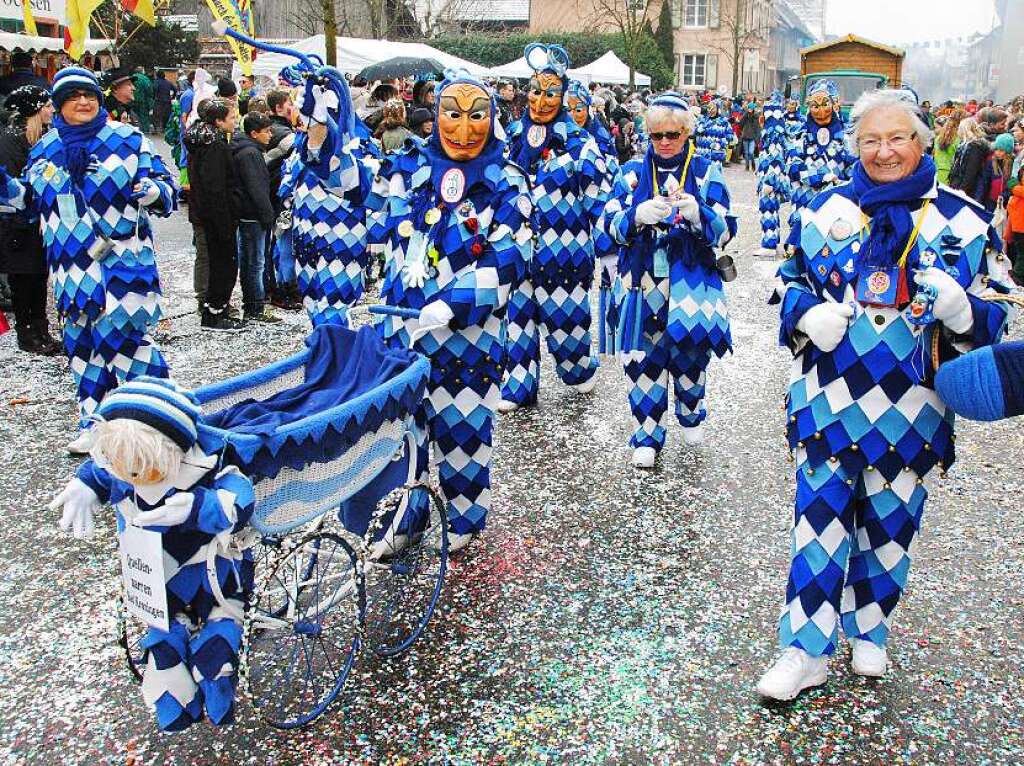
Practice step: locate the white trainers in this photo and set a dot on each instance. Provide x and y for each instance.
(506, 406)
(766, 252)
(644, 457)
(458, 542)
(694, 435)
(588, 386)
(794, 671)
(82, 443)
(388, 546)
(868, 658)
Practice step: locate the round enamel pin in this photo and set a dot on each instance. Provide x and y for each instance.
(535, 135)
(432, 216)
(878, 282)
(841, 229)
(525, 205)
(453, 184)
(824, 136)
(405, 228)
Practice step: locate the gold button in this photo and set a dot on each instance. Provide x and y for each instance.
(887, 485)
(817, 435)
(800, 444)
(879, 319)
(920, 480)
(810, 472)
(833, 459)
(892, 448)
(792, 418)
(927, 446)
(850, 482)
(855, 447)
(870, 468)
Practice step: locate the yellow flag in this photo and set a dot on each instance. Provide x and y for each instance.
(237, 14)
(77, 31)
(30, 20)
(144, 9)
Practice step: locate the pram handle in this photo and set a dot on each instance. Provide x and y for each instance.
(395, 311)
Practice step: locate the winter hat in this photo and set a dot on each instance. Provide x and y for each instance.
(420, 116)
(159, 403)
(71, 79)
(226, 88)
(27, 100)
(1004, 141)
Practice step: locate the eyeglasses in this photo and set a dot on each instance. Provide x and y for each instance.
(82, 95)
(670, 135)
(899, 141)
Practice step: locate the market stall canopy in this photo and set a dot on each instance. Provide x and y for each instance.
(355, 54)
(608, 69)
(10, 41)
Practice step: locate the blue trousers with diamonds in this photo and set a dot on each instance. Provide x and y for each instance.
(564, 312)
(329, 283)
(103, 355)
(851, 540)
(769, 204)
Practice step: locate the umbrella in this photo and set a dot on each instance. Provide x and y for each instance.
(401, 66)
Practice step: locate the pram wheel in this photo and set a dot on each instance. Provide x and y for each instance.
(302, 630)
(403, 586)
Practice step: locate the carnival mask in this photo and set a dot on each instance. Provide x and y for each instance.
(545, 97)
(464, 121)
(821, 109)
(578, 110)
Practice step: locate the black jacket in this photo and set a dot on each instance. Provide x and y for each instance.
(21, 243)
(277, 152)
(252, 194)
(212, 182)
(19, 77)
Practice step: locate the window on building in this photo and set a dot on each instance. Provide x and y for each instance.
(695, 13)
(698, 70)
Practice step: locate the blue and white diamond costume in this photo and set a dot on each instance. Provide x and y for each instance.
(772, 183)
(81, 183)
(714, 135)
(817, 157)
(570, 188)
(864, 421)
(330, 192)
(457, 238)
(670, 307)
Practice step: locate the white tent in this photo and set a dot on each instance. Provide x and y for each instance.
(609, 69)
(354, 54)
(10, 41)
(518, 68)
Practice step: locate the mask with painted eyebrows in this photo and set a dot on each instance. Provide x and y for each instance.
(463, 121)
(545, 97)
(578, 110)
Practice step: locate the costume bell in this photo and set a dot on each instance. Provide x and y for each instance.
(817, 157)
(570, 189)
(772, 183)
(669, 213)
(94, 186)
(457, 239)
(882, 285)
(149, 465)
(714, 134)
(328, 185)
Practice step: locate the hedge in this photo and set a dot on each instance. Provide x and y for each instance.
(491, 51)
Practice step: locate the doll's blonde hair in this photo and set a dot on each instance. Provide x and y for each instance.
(138, 447)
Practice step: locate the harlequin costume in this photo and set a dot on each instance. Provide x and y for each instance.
(570, 188)
(330, 189)
(456, 229)
(864, 422)
(80, 180)
(669, 303)
(714, 134)
(772, 183)
(817, 157)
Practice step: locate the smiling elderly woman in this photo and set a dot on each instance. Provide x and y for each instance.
(880, 288)
(669, 212)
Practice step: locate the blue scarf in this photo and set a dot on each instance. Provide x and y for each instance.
(524, 155)
(76, 140)
(889, 206)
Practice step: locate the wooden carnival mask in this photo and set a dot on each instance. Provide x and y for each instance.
(578, 110)
(545, 97)
(464, 121)
(821, 108)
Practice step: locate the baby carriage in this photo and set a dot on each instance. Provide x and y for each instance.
(344, 559)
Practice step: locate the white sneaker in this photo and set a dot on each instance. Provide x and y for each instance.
(765, 252)
(506, 406)
(868, 658)
(694, 435)
(794, 671)
(458, 542)
(388, 546)
(82, 443)
(586, 388)
(644, 457)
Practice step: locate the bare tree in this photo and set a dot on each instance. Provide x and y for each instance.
(436, 17)
(747, 24)
(631, 18)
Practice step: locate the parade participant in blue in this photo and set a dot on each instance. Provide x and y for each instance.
(669, 213)
(578, 102)
(147, 462)
(570, 187)
(93, 185)
(457, 236)
(817, 157)
(714, 134)
(792, 118)
(328, 185)
(882, 285)
(772, 183)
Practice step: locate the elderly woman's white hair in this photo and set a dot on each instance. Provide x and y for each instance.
(887, 98)
(660, 115)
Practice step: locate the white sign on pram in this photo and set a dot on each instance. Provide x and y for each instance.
(142, 568)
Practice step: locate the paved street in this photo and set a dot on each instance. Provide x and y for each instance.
(608, 616)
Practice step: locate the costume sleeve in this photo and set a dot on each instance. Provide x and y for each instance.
(388, 194)
(96, 478)
(478, 292)
(620, 211)
(795, 164)
(227, 504)
(289, 179)
(604, 241)
(718, 224)
(152, 166)
(595, 184)
(794, 292)
(14, 192)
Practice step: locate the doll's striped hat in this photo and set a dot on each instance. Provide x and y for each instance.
(159, 403)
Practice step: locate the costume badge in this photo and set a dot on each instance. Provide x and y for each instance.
(848, 267)
(536, 134)
(453, 185)
(432, 216)
(405, 228)
(841, 229)
(825, 252)
(824, 136)
(822, 270)
(836, 278)
(49, 171)
(878, 286)
(927, 259)
(525, 205)
(855, 247)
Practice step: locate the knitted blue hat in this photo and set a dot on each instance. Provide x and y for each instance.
(671, 99)
(71, 79)
(159, 403)
(828, 87)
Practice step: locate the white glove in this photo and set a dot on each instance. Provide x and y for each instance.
(689, 208)
(436, 314)
(80, 503)
(323, 99)
(952, 307)
(826, 324)
(414, 273)
(175, 510)
(146, 192)
(652, 211)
